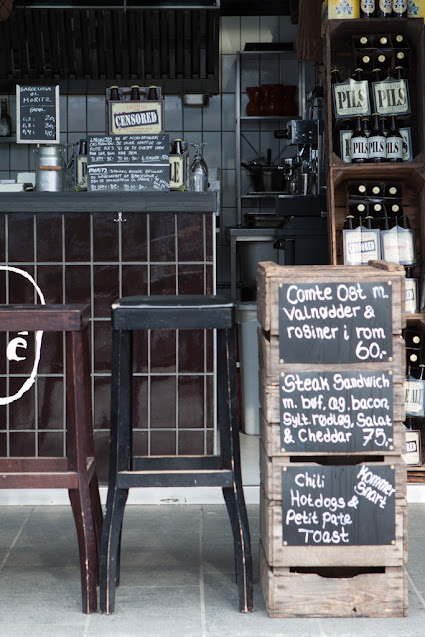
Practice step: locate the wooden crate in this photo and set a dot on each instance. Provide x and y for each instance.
(271, 524)
(270, 275)
(339, 54)
(411, 176)
(288, 593)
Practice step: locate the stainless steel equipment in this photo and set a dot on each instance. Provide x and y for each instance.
(49, 168)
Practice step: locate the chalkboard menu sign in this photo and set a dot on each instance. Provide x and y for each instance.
(128, 162)
(37, 114)
(338, 505)
(336, 411)
(335, 322)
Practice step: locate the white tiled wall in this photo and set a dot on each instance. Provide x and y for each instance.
(214, 124)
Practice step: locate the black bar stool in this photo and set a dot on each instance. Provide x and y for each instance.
(126, 470)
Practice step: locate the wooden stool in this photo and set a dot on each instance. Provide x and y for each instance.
(77, 471)
(126, 470)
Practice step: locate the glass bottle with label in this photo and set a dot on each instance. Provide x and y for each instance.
(367, 8)
(406, 242)
(335, 76)
(411, 296)
(383, 42)
(400, 8)
(389, 241)
(364, 42)
(384, 9)
(394, 142)
(376, 142)
(400, 41)
(5, 120)
(358, 143)
(349, 222)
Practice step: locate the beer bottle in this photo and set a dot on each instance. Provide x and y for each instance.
(377, 209)
(114, 96)
(367, 8)
(376, 190)
(368, 222)
(413, 339)
(394, 191)
(364, 42)
(376, 141)
(177, 147)
(366, 64)
(153, 93)
(385, 9)
(400, 41)
(135, 92)
(348, 223)
(383, 42)
(400, 8)
(383, 61)
(358, 143)
(394, 142)
(335, 77)
(406, 244)
(358, 190)
(5, 120)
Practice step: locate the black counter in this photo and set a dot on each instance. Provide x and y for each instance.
(173, 201)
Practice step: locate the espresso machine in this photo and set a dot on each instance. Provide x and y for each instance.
(306, 168)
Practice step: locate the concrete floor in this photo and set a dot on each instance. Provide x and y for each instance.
(176, 580)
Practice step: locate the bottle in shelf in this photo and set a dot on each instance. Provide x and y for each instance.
(114, 94)
(406, 242)
(364, 42)
(368, 222)
(414, 392)
(349, 222)
(341, 138)
(400, 41)
(5, 120)
(411, 292)
(376, 142)
(367, 63)
(335, 76)
(367, 8)
(382, 42)
(393, 190)
(399, 8)
(357, 190)
(384, 62)
(358, 143)
(413, 338)
(394, 142)
(389, 240)
(134, 95)
(357, 210)
(384, 9)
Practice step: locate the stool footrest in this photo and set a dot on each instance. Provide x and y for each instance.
(37, 480)
(172, 463)
(206, 478)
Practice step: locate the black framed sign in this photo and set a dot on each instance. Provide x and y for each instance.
(37, 114)
(336, 411)
(338, 505)
(128, 162)
(335, 322)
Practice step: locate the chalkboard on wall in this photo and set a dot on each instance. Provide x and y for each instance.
(336, 411)
(335, 322)
(338, 505)
(128, 163)
(37, 114)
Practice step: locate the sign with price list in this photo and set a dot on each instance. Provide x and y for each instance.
(336, 411)
(37, 114)
(335, 322)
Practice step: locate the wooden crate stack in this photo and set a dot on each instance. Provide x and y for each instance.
(342, 579)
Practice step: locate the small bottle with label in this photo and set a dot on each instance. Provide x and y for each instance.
(394, 142)
(135, 95)
(411, 296)
(406, 242)
(367, 8)
(376, 142)
(384, 9)
(5, 120)
(358, 143)
(400, 8)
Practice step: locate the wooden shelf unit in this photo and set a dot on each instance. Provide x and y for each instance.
(411, 175)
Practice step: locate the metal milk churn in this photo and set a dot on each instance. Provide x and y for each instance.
(49, 168)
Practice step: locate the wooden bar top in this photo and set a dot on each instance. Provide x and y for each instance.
(153, 202)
